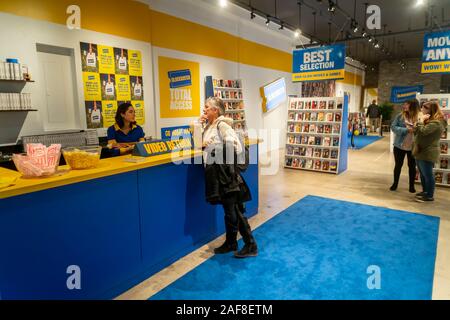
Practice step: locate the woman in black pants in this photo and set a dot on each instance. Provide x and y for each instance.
(224, 183)
(402, 126)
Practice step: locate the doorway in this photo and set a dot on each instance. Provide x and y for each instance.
(57, 70)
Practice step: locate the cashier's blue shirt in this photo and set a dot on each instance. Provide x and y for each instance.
(135, 134)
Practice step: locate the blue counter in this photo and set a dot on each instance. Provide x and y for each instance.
(119, 230)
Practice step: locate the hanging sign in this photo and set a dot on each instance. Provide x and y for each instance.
(436, 53)
(320, 63)
(403, 94)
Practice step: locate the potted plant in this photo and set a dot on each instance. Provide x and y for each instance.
(386, 110)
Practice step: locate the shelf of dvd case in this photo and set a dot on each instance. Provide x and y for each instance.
(314, 158)
(230, 92)
(320, 122)
(313, 170)
(313, 145)
(316, 134)
(232, 100)
(315, 110)
(227, 88)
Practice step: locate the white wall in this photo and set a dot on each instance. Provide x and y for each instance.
(354, 90)
(252, 79)
(19, 36)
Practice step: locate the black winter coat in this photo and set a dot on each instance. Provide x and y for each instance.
(222, 179)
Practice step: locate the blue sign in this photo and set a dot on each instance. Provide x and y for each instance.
(320, 63)
(436, 52)
(176, 132)
(159, 147)
(180, 78)
(273, 94)
(403, 94)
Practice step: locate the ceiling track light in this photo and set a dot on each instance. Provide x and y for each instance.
(281, 26)
(297, 33)
(371, 39)
(331, 6)
(267, 21)
(252, 14)
(223, 3)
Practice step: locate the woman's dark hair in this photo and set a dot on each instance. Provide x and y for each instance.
(414, 109)
(121, 110)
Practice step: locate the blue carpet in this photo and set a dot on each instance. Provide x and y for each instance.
(363, 141)
(320, 249)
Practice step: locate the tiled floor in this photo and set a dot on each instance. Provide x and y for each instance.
(366, 181)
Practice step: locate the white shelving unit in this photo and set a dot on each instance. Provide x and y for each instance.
(314, 134)
(230, 91)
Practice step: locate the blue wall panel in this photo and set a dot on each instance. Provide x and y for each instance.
(94, 225)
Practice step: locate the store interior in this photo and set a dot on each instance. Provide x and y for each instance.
(136, 225)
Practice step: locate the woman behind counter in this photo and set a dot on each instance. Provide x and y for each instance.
(125, 133)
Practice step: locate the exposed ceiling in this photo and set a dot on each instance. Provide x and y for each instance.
(403, 24)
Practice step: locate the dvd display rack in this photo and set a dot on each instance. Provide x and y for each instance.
(230, 91)
(317, 134)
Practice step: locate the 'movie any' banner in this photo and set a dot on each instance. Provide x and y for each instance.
(321, 63)
(436, 53)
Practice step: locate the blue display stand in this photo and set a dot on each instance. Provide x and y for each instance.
(343, 148)
(119, 230)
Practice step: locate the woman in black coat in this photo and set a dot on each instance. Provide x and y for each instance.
(224, 183)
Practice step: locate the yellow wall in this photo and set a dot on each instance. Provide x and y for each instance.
(352, 78)
(135, 20)
(124, 18)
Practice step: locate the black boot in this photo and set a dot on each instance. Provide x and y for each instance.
(249, 250)
(230, 244)
(393, 187)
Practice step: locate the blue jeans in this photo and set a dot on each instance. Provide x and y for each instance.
(427, 177)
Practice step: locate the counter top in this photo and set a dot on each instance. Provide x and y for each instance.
(106, 167)
(65, 176)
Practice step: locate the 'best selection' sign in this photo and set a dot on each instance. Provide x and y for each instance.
(321, 63)
(436, 53)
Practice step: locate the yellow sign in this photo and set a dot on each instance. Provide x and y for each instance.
(108, 74)
(139, 111)
(318, 75)
(106, 59)
(123, 88)
(109, 113)
(92, 89)
(135, 60)
(179, 96)
(436, 67)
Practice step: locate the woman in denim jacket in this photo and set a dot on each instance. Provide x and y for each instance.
(403, 128)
